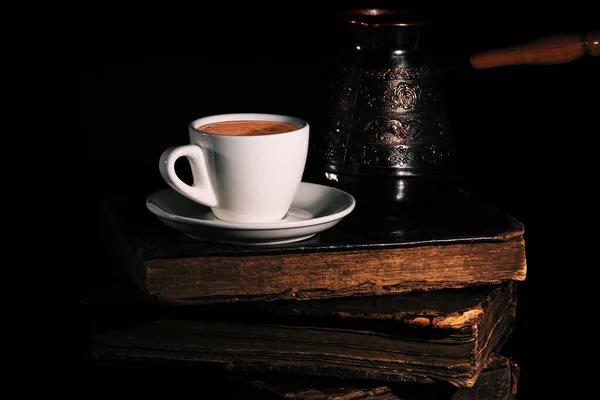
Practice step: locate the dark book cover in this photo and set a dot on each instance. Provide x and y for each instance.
(455, 242)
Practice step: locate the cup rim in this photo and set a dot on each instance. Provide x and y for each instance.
(302, 124)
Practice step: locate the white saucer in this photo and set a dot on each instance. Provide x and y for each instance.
(314, 209)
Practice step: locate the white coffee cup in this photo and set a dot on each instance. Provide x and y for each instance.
(249, 178)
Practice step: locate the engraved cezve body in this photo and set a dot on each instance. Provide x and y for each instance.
(386, 117)
(391, 119)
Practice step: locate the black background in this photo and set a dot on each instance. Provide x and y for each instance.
(526, 135)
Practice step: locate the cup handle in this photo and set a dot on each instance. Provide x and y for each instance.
(201, 190)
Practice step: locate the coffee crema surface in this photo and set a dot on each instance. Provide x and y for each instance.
(247, 127)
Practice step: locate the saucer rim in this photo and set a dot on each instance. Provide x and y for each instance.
(258, 242)
(351, 204)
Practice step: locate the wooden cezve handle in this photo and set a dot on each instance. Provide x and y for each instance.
(554, 49)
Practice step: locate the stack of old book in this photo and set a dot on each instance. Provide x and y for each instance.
(404, 305)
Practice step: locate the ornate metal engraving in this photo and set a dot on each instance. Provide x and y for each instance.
(400, 160)
(397, 73)
(394, 96)
(387, 121)
(399, 129)
(400, 156)
(406, 95)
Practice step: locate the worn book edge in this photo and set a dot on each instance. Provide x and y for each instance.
(352, 353)
(498, 379)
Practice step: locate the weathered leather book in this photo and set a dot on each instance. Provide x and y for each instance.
(498, 379)
(417, 337)
(455, 242)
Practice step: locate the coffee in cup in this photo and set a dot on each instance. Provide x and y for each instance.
(247, 127)
(245, 167)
